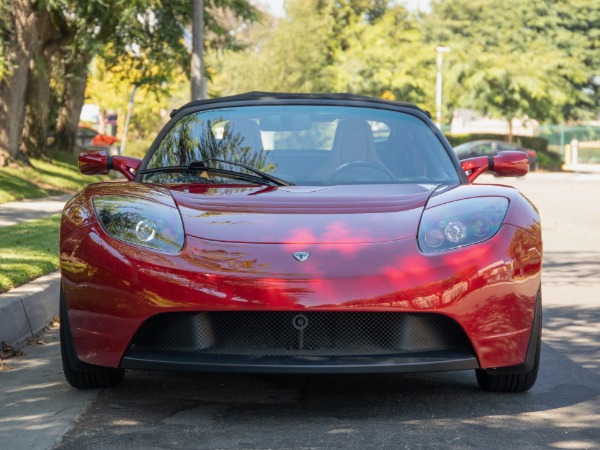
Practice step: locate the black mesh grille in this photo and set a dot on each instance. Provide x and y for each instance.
(259, 333)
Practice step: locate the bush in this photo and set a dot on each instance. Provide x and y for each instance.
(549, 160)
(137, 147)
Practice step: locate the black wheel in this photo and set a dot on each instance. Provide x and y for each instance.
(518, 378)
(79, 374)
(361, 171)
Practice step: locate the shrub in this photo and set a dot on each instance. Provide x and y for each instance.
(547, 159)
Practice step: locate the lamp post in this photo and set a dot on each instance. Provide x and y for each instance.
(197, 78)
(136, 51)
(438, 91)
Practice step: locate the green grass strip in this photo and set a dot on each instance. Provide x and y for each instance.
(47, 177)
(28, 251)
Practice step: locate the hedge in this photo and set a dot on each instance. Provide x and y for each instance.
(547, 159)
(534, 143)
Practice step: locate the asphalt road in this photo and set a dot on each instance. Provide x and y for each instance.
(442, 410)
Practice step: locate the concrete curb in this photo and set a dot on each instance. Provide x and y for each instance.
(26, 310)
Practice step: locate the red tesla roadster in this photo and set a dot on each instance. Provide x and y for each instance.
(297, 233)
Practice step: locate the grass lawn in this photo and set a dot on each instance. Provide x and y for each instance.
(56, 175)
(27, 251)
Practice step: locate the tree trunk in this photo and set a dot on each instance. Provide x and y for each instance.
(13, 88)
(197, 79)
(35, 128)
(72, 103)
(12, 110)
(49, 40)
(510, 130)
(30, 25)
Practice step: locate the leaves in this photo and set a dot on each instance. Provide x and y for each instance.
(509, 57)
(8, 351)
(512, 58)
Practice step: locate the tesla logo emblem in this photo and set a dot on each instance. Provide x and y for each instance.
(301, 256)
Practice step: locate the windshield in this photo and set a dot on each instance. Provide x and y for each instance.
(302, 145)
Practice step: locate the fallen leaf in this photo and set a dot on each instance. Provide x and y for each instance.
(8, 351)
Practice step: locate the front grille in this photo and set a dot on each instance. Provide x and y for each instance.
(261, 333)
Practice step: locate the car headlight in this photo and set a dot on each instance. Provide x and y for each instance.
(460, 223)
(141, 222)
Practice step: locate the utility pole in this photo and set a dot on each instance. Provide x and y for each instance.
(438, 91)
(197, 70)
(127, 119)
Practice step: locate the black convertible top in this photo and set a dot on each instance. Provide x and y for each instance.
(266, 96)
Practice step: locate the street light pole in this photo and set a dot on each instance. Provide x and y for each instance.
(136, 52)
(197, 70)
(438, 91)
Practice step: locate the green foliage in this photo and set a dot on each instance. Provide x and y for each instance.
(106, 87)
(138, 147)
(288, 57)
(512, 58)
(358, 46)
(147, 46)
(29, 250)
(509, 58)
(549, 160)
(384, 59)
(158, 63)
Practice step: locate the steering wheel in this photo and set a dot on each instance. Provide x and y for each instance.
(373, 172)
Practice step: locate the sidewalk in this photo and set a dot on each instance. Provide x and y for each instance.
(25, 210)
(37, 406)
(26, 310)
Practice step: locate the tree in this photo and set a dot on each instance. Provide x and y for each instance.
(384, 58)
(32, 33)
(358, 46)
(511, 58)
(18, 34)
(289, 55)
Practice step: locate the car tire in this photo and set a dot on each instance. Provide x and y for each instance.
(79, 374)
(519, 380)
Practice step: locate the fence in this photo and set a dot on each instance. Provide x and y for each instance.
(559, 136)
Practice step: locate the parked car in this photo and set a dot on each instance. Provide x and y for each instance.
(272, 233)
(88, 137)
(491, 148)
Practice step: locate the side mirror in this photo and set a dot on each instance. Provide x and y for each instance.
(504, 164)
(101, 162)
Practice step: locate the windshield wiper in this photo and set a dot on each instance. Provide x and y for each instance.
(260, 173)
(260, 177)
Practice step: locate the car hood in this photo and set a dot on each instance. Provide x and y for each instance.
(302, 214)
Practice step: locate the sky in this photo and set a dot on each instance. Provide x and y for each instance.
(276, 6)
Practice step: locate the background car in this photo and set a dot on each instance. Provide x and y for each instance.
(88, 137)
(301, 233)
(491, 148)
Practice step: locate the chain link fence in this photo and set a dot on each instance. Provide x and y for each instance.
(563, 138)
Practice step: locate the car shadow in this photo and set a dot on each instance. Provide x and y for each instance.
(161, 410)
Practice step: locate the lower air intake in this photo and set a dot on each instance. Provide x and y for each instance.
(258, 333)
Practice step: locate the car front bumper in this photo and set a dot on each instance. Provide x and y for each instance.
(489, 290)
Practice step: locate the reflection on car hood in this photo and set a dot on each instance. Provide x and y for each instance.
(302, 214)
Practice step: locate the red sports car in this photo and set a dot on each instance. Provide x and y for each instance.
(297, 233)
